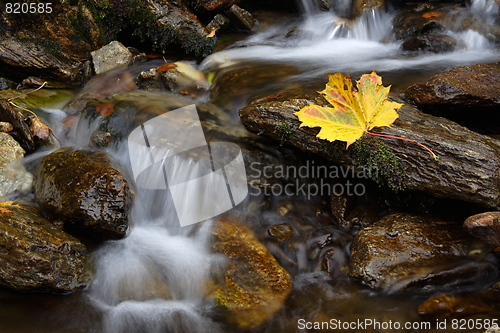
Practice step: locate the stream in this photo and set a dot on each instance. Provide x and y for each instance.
(154, 280)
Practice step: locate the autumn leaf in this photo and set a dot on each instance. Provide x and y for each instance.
(354, 112)
(432, 14)
(39, 129)
(166, 66)
(105, 109)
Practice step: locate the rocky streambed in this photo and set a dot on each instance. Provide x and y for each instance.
(379, 231)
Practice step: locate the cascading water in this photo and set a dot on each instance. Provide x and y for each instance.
(154, 280)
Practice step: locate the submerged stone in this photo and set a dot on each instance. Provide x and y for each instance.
(404, 252)
(36, 255)
(256, 286)
(83, 190)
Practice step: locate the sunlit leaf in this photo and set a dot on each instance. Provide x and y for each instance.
(354, 111)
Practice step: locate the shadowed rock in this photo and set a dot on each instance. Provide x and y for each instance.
(403, 252)
(37, 256)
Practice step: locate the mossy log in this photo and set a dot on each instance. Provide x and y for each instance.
(468, 167)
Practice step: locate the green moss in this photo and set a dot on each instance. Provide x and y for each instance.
(284, 130)
(372, 154)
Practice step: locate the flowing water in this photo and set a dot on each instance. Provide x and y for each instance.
(154, 280)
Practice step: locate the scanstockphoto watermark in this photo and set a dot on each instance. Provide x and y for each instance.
(308, 180)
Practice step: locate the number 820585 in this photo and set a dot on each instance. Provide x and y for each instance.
(28, 8)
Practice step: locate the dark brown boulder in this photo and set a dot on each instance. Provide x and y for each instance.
(50, 44)
(469, 164)
(430, 43)
(36, 255)
(471, 85)
(408, 252)
(485, 226)
(469, 95)
(83, 190)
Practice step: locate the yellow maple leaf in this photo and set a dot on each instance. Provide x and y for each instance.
(354, 111)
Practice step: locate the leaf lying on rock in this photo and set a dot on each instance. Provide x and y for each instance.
(165, 67)
(105, 109)
(354, 112)
(39, 129)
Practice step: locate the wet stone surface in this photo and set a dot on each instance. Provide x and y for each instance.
(37, 256)
(83, 190)
(404, 252)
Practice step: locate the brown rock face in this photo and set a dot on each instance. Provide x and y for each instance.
(37, 256)
(85, 192)
(408, 252)
(485, 226)
(469, 164)
(256, 286)
(50, 43)
(474, 85)
(469, 95)
(430, 43)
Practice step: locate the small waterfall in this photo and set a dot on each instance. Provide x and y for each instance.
(487, 9)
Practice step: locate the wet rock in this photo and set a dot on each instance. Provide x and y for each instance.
(35, 82)
(21, 131)
(235, 87)
(430, 43)
(212, 5)
(444, 306)
(241, 18)
(100, 139)
(280, 231)
(218, 23)
(52, 44)
(461, 94)
(111, 56)
(149, 80)
(415, 24)
(404, 252)
(6, 84)
(256, 286)
(467, 169)
(13, 175)
(184, 77)
(471, 85)
(85, 191)
(485, 226)
(6, 127)
(359, 6)
(162, 24)
(37, 256)
(493, 329)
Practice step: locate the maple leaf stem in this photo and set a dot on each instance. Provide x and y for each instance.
(29, 92)
(436, 158)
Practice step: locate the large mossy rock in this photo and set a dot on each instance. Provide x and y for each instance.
(468, 166)
(82, 189)
(36, 255)
(403, 252)
(49, 44)
(256, 286)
